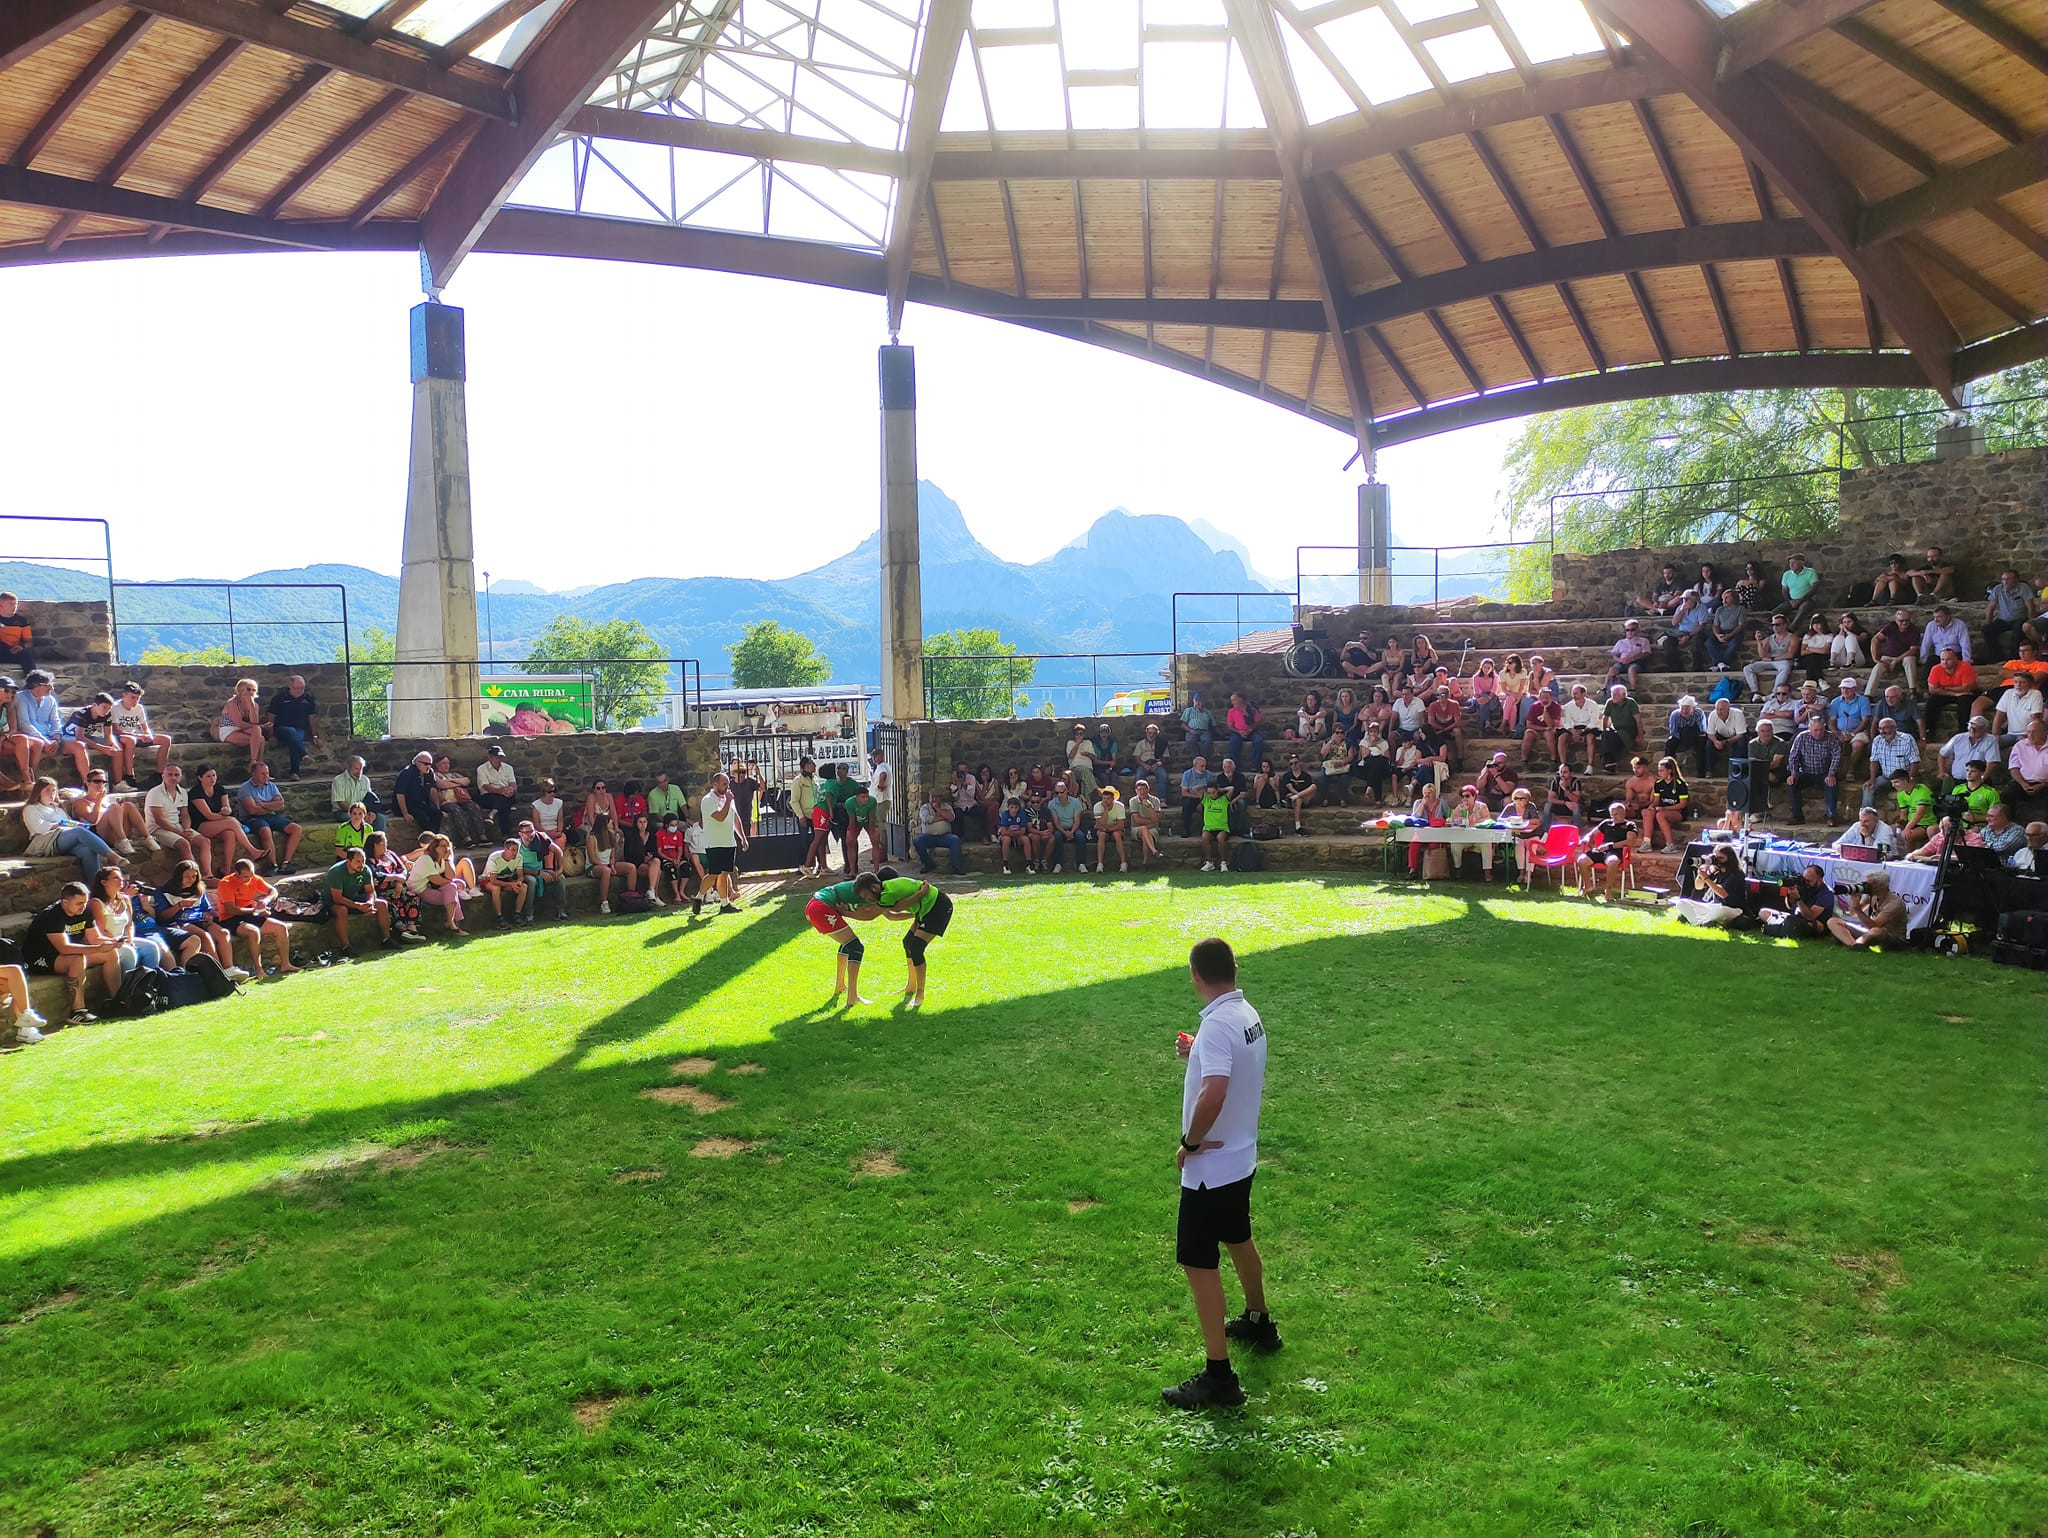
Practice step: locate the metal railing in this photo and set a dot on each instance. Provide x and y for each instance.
(103, 558)
(1420, 574)
(995, 685)
(157, 629)
(1696, 518)
(2014, 422)
(539, 696)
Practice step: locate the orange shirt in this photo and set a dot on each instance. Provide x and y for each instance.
(238, 894)
(16, 632)
(1962, 676)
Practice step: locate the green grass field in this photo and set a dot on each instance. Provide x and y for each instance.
(1573, 1221)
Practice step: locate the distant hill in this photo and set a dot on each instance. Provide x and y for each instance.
(1109, 591)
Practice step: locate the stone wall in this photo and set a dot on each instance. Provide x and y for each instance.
(186, 700)
(1986, 512)
(70, 637)
(571, 761)
(936, 746)
(1261, 675)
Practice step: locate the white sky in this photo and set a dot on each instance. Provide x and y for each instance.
(231, 414)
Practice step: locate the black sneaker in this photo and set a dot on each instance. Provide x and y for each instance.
(1203, 1390)
(1262, 1335)
(503, 922)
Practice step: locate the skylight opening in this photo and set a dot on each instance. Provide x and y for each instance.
(964, 112)
(1375, 56)
(1183, 84)
(1184, 13)
(995, 15)
(506, 48)
(440, 20)
(1469, 55)
(1104, 106)
(1551, 29)
(1025, 88)
(1322, 98)
(1429, 10)
(1240, 96)
(1100, 34)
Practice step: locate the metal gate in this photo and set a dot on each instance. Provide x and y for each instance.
(780, 837)
(894, 741)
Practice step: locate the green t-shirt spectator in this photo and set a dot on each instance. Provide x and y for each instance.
(348, 836)
(900, 891)
(1620, 717)
(862, 807)
(1798, 584)
(1976, 804)
(1917, 802)
(665, 800)
(1215, 814)
(352, 884)
(843, 790)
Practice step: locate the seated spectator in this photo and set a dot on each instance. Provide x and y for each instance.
(1874, 916)
(1638, 792)
(412, 794)
(1717, 892)
(1498, 781)
(1069, 816)
(1443, 727)
(1333, 767)
(1147, 758)
(394, 886)
(1895, 648)
(217, 817)
(1672, 807)
(1039, 783)
(240, 723)
(1846, 645)
(2000, 834)
(243, 900)
(1417, 768)
(1769, 763)
(2018, 708)
(1542, 720)
(2031, 858)
(629, 802)
(1485, 698)
(1110, 817)
(1931, 852)
(461, 818)
(1514, 693)
(167, 820)
(1726, 734)
(1814, 648)
(116, 917)
(119, 823)
(53, 831)
(354, 833)
(1801, 585)
(1718, 643)
(2009, 606)
(352, 788)
(292, 718)
(1914, 818)
(1621, 727)
(1013, 831)
(1215, 827)
(637, 849)
(1144, 819)
(497, 788)
(2027, 766)
(602, 848)
(1942, 632)
(1521, 816)
(1685, 730)
(1891, 585)
(62, 941)
(260, 805)
(935, 831)
(88, 730)
(542, 858)
(1471, 811)
(1311, 720)
(1810, 903)
(1374, 764)
(352, 889)
(1579, 727)
(132, 733)
(1781, 710)
(1194, 789)
(1297, 789)
(1565, 797)
(1246, 722)
(2028, 661)
(1756, 588)
(1890, 751)
(1359, 657)
(184, 911)
(1775, 650)
(1951, 687)
(17, 635)
(1663, 594)
(1408, 712)
(1934, 577)
(1629, 654)
(1605, 851)
(550, 811)
(1976, 744)
(35, 723)
(504, 876)
(1869, 831)
(1198, 725)
(1428, 811)
(1039, 808)
(1813, 761)
(1852, 716)
(432, 879)
(1809, 705)
(1974, 798)
(1393, 663)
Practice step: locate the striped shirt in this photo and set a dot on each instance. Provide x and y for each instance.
(1813, 755)
(1891, 754)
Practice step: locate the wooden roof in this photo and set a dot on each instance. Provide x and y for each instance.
(1402, 215)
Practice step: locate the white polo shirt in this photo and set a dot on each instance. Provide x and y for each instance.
(719, 833)
(161, 809)
(1230, 1044)
(881, 782)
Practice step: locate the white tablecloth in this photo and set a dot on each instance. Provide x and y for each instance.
(1914, 882)
(1407, 833)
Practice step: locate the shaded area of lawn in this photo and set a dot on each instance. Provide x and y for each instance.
(1602, 1227)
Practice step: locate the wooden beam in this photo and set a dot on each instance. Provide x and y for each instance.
(393, 236)
(1762, 32)
(2026, 345)
(1764, 240)
(79, 87)
(248, 138)
(208, 71)
(938, 55)
(1764, 129)
(1348, 140)
(1953, 190)
(38, 189)
(1808, 371)
(1917, 69)
(1766, 208)
(323, 161)
(690, 133)
(1794, 86)
(338, 51)
(1970, 278)
(2025, 234)
(486, 27)
(588, 37)
(2017, 41)
(400, 179)
(1257, 34)
(31, 24)
(1138, 163)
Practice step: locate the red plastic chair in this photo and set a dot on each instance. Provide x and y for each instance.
(1560, 848)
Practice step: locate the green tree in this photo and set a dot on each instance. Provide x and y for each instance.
(772, 656)
(627, 688)
(162, 656)
(1735, 465)
(369, 680)
(974, 675)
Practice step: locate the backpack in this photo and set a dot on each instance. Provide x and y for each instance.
(185, 986)
(1723, 690)
(1265, 830)
(2022, 939)
(142, 993)
(212, 978)
(633, 902)
(1247, 857)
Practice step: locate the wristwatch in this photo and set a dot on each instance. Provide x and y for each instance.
(1189, 1147)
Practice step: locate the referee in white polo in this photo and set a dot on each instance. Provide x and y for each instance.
(1219, 1152)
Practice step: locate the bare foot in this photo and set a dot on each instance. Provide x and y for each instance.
(855, 998)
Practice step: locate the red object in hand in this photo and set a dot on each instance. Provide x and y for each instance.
(1186, 1040)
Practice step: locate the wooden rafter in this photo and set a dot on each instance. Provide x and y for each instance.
(488, 26)
(1760, 189)
(1796, 87)
(1917, 69)
(80, 86)
(937, 56)
(323, 160)
(1970, 278)
(1589, 188)
(1674, 183)
(1953, 190)
(1766, 130)
(587, 39)
(65, 194)
(1766, 31)
(2017, 41)
(403, 177)
(2018, 229)
(27, 25)
(1256, 31)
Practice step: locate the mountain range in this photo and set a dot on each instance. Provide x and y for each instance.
(1109, 591)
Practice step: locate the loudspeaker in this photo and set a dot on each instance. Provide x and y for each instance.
(1738, 785)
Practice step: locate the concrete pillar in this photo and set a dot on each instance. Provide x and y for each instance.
(434, 685)
(1375, 544)
(902, 586)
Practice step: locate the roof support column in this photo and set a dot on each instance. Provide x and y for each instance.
(902, 579)
(434, 684)
(1375, 543)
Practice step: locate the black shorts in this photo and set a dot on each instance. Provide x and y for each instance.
(718, 862)
(934, 922)
(1212, 1216)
